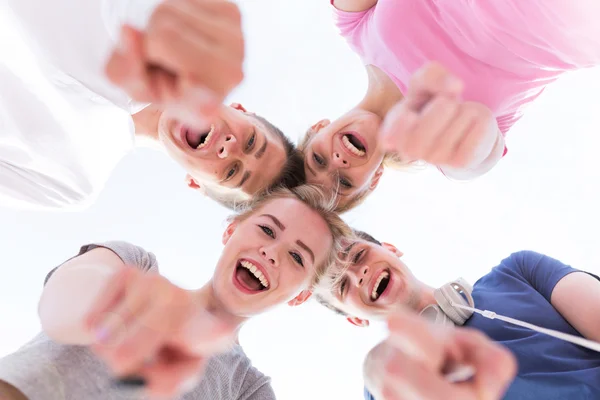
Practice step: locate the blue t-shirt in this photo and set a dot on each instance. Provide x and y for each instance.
(549, 368)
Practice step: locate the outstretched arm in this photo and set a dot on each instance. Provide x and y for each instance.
(70, 292)
(353, 5)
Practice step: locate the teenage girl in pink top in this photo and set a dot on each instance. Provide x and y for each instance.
(450, 78)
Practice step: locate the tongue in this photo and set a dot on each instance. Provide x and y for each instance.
(248, 280)
(193, 138)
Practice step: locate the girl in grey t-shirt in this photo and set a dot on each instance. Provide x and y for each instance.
(274, 252)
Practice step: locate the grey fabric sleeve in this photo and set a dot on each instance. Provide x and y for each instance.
(130, 254)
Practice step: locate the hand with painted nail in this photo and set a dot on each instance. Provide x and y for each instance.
(190, 55)
(434, 125)
(148, 328)
(417, 359)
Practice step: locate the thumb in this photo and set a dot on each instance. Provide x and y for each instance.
(127, 68)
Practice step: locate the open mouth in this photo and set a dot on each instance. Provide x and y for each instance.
(250, 277)
(354, 144)
(381, 285)
(198, 139)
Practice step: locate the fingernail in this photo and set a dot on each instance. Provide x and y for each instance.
(102, 334)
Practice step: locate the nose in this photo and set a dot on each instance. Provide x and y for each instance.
(227, 147)
(269, 254)
(339, 161)
(360, 276)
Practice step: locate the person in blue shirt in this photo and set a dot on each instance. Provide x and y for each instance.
(528, 286)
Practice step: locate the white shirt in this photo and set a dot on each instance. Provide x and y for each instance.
(63, 125)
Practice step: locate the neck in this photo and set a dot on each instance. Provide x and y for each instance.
(382, 93)
(209, 301)
(425, 298)
(146, 125)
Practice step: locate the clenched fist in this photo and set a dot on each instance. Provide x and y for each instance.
(434, 125)
(190, 56)
(420, 361)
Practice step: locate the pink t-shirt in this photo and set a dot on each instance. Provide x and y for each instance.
(505, 51)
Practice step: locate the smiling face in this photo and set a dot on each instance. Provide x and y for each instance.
(237, 151)
(345, 154)
(375, 282)
(271, 256)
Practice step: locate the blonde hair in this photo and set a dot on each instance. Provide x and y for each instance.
(316, 200)
(390, 160)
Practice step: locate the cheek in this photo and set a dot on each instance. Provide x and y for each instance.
(292, 280)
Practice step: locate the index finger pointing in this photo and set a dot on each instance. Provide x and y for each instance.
(432, 79)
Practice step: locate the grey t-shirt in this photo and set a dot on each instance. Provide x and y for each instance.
(45, 370)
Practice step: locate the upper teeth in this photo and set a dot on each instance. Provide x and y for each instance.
(207, 139)
(351, 147)
(383, 275)
(256, 272)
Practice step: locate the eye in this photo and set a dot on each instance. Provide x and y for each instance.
(251, 141)
(345, 183)
(358, 256)
(297, 258)
(318, 159)
(267, 230)
(342, 287)
(231, 172)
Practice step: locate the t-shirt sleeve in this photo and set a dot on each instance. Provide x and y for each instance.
(348, 22)
(130, 254)
(542, 272)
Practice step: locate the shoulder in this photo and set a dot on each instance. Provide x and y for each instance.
(129, 253)
(233, 372)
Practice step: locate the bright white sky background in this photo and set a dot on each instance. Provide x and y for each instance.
(544, 196)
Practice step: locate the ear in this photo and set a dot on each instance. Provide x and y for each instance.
(376, 178)
(393, 249)
(238, 107)
(228, 232)
(362, 323)
(300, 299)
(318, 126)
(191, 182)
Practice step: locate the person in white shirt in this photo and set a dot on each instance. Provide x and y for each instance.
(64, 125)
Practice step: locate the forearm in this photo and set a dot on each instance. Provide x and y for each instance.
(71, 291)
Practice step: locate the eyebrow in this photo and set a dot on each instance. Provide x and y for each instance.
(347, 250)
(275, 221)
(262, 149)
(312, 171)
(308, 250)
(258, 155)
(244, 179)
